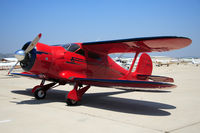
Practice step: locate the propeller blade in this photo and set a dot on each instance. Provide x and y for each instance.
(11, 69)
(33, 43)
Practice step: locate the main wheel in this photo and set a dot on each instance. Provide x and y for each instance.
(40, 93)
(71, 102)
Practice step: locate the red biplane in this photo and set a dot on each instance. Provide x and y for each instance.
(88, 64)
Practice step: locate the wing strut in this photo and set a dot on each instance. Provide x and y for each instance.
(127, 76)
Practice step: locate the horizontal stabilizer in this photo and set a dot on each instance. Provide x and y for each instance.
(155, 78)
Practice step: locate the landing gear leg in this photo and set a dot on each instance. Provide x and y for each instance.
(40, 90)
(76, 94)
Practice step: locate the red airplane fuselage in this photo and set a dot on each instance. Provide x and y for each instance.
(57, 62)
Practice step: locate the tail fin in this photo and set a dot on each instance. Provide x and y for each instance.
(193, 61)
(144, 66)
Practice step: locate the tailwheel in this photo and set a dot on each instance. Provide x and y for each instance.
(71, 102)
(40, 93)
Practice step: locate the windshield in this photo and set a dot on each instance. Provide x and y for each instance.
(72, 47)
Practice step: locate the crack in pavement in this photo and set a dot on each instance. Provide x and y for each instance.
(189, 125)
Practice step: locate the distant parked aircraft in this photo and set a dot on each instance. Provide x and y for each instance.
(162, 62)
(197, 63)
(7, 63)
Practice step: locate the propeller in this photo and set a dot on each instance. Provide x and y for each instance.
(20, 54)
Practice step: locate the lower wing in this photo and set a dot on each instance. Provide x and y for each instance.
(25, 74)
(124, 83)
(109, 82)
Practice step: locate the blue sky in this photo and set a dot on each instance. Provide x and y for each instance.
(63, 21)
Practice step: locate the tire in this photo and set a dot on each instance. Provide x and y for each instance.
(71, 102)
(40, 93)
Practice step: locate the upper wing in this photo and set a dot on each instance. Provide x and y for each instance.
(145, 44)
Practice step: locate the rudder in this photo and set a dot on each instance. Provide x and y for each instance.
(144, 66)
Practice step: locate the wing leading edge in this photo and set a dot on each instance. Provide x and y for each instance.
(145, 44)
(29, 75)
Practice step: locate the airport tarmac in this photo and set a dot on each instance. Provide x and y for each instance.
(104, 109)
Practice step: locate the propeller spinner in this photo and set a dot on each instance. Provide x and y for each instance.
(21, 54)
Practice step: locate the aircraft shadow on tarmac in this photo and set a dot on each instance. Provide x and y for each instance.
(105, 101)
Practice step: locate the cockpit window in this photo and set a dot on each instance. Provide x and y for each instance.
(66, 46)
(81, 52)
(72, 47)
